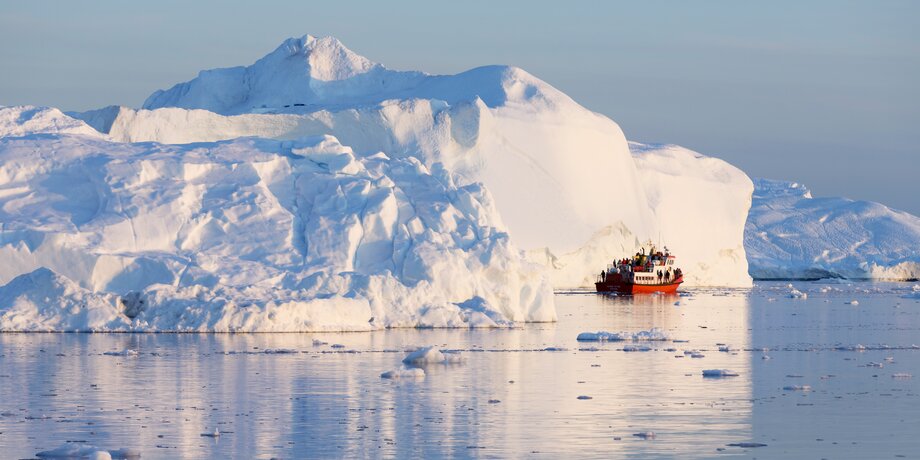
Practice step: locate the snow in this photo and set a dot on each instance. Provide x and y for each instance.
(249, 235)
(790, 234)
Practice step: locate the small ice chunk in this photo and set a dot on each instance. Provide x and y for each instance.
(746, 445)
(583, 397)
(319, 343)
(797, 388)
(215, 434)
(630, 348)
(432, 355)
(901, 375)
(126, 352)
(717, 373)
(653, 334)
(797, 294)
(84, 451)
(725, 348)
(645, 435)
(697, 355)
(411, 373)
(600, 336)
(853, 302)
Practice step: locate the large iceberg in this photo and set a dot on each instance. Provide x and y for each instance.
(564, 179)
(317, 190)
(790, 234)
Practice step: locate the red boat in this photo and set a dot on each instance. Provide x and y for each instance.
(642, 273)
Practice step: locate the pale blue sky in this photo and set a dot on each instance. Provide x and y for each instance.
(823, 92)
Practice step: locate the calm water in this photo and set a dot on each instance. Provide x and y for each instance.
(326, 401)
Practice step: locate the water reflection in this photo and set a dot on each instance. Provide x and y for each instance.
(322, 401)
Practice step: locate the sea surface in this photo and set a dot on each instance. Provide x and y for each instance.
(817, 377)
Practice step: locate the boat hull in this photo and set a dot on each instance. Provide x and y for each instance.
(620, 287)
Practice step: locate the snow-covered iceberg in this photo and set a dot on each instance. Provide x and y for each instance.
(248, 235)
(317, 190)
(790, 235)
(564, 180)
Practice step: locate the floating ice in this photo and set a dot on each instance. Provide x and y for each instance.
(719, 373)
(410, 373)
(126, 352)
(631, 348)
(901, 375)
(853, 302)
(797, 388)
(432, 355)
(653, 334)
(789, 234)
(746, 445)
(83, 451)
(797, 294)
(645, 435)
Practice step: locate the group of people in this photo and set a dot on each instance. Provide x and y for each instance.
(643, 263)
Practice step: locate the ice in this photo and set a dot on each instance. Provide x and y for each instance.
(716, 373)
(249, 235)
(797, 388)
(403, 373)
(746, 445)
(127, 352)
(631, 348)
(645, 435)
(83, 451)
(432, 355)
(901, 375)
(797, 294)
(526, 141)
(853, 302)
(790, 234)
(654, 334)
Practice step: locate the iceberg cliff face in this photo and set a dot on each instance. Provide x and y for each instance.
(790, 234)
(563, 178)
(249, 235)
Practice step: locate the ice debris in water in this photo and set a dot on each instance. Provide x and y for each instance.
(719, 373)
(653, 334)
(411, 373)
(629, 348)
(126, 352)
(215, 434)
(797, 388)
(645, 435)
(853, 302)
(797, 294)
(901, 375)
(725, 348)
(89, 452)
(746, 445)
(432, 355)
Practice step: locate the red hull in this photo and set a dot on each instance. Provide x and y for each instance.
(613, 284)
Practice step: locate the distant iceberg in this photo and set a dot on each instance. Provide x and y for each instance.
(791, 235)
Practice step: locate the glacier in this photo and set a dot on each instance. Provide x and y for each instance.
(792, 235)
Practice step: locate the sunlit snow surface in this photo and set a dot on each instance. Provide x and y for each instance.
(528, 391)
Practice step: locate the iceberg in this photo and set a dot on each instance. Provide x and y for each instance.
(249, 235)
(570, 189)
(316, 190)
(791, 235)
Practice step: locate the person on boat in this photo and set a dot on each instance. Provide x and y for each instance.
(603, 276)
